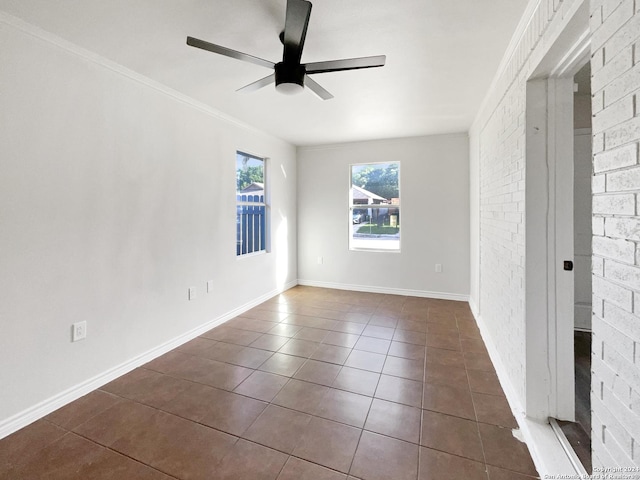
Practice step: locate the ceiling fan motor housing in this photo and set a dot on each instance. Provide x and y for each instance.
(290, 77)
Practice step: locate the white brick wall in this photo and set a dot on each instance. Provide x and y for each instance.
(500, 136)
(615, 86)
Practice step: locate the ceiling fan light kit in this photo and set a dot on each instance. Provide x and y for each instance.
(290, 76)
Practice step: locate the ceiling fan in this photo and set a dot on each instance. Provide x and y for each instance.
(290, 76)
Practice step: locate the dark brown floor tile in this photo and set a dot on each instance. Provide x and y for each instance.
(436, 316)
(212, 372)
(340, 339)
(410, 336)
(267, 315)
(401, 390)
(478, 361)
(349, 327)
(221, 351)
(355, 316)
(285, 330)
(331, 354)
(301, 396)
(282, 364)
(451, 434)
(435, 465)
(405, 368)
(250, 357)
(329, 444)
(494, 410)
(446, 375)
(278, 428)
(197, 346)
(445, 342)
(382, 321)
(442, 329)
(449, 400)
(20, 446)
(120, 420)
(145, 386)
(75, 458)
(473, 345)
(312, 334)
(503, 450)
(374, 345)
(269, 342)
(168, 362)
(382, 458)
(82, 409)
(444, 357)
(227, 334)
(469, 329)
(299, 348)
(222, 410)
(237, 355)
(377, 331)
(365, 361)
(496, 473)
(484, 382)
(356, 381)
(262, 385)
(297, 469)
(394, 420)
(344, 407)
(253, 324)
(247, 460)
(407, 350)
(412, 325)
(318, 372)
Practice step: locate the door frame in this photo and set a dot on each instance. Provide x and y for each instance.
(550, 383)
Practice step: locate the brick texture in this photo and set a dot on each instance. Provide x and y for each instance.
(500, 133)
(616, 247)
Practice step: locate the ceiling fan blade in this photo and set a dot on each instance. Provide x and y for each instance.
(263, 82)
(211, 47)
(295, 29)
(316, 88)
(346, 64)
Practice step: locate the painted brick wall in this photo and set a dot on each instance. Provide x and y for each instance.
(499, 131)
(615, 64)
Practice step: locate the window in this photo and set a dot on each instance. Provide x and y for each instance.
(251, 206)
(374, 206)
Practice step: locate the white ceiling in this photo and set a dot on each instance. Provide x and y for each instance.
(441, 57)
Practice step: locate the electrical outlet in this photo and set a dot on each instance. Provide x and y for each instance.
(209, 286)
(192, 293)
(78, 331)
(320, 260)
(438, 268)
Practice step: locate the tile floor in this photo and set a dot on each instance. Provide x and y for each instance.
(314, 384)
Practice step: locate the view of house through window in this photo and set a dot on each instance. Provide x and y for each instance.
(374, 202)
(251, 207)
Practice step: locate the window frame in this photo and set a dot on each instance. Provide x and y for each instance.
(352, 206)
(265, 203)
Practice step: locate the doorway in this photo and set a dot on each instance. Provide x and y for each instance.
(556, 283)
(578, 433)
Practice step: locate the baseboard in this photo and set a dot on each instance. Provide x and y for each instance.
(391, 291)
(31, 414)
(547, 453)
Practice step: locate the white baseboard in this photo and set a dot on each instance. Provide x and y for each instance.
(31, 414)
(549, 457)
(391, 291)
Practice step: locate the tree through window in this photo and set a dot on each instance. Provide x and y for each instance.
(374, 204)
(251, 206)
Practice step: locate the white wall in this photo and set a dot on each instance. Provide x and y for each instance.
(115, 197)
(434, 176)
